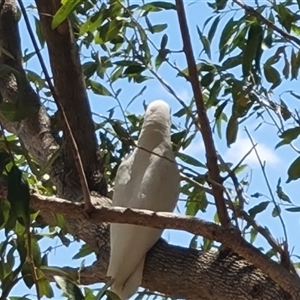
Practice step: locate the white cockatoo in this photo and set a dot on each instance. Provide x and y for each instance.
(146, 181)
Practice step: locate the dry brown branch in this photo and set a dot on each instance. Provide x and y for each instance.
(210, 150)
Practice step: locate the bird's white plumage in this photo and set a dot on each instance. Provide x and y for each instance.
(146, 181)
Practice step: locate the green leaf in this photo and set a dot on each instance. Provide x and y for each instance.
(294, 64)
(197, 201)
(207, 244)
(160, 58)
(256, 195)
(150, 27)
(63, 12)
(276, 211)
(194, 242)
(38, 31)
(205, 42)
(240, 169)
(57, 270)
(290, 134)
(15, 112)
(60, 222)
(293, 209)
(93, 22)
(85, 250)
(286, 68)
(158, 4)
(258, 208)
(272, 75)
(4, 212)
(72, 291)
(284, 111)
(253, 235)
(18, 194)
(89, 69)
(190, 160)
(207, 79)
(219, 110)
(120, 131)
(103, 290)
(285, 16)
(271, 253)
(177, 137)
(231, 130)
(36, 252)
(164, 41)
(27, 276)
(125, 63)
(45, 288)
(253, 45)
(159, 27)
(108, 32)
(221, 4)
(89, 294)
(137, 69)
(213, 28)
(99, 89)
(232, 62)
(137, 95)
(294, 170)
(5, 159)
(225, 36)
(10, 281)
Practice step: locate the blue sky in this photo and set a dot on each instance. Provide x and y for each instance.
(277, 161)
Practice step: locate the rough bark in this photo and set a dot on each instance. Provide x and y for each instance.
(71, 92)
(175, 271)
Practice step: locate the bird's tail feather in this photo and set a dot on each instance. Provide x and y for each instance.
(132, 283)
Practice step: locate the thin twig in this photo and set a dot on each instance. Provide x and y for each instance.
(268, 185)
(238, 188)
(263, 231)
(78, 162)
(196, 184)
(251, 11)
(240, 162)
(211, 155)
(30, 261)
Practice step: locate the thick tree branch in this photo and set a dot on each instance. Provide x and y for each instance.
(210, 150)
(211, 275)
(71, 93)
(230, 238)
(34, 130)
(72, 142)
(251, 11)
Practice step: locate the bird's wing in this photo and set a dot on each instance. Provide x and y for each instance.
(154, 186)
(124, 182)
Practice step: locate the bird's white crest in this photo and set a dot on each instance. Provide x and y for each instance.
(146, 181)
